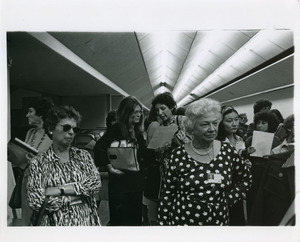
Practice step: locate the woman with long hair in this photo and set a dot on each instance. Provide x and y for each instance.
(229, 132)
(125, 187)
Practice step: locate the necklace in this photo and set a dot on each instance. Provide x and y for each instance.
(197, 151)
(33, 138)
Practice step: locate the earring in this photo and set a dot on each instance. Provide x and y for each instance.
(50, 132)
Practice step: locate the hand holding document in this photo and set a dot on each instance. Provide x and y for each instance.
(162, 136)
(262, 142)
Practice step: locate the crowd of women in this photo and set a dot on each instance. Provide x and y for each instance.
(191, 166)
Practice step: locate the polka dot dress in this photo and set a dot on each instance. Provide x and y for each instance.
(194, 193)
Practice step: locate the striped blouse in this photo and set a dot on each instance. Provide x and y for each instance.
(47, 171)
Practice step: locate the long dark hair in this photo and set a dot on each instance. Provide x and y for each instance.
(125, 110)
(227, 109)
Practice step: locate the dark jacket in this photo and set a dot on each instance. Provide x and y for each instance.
(276, 192)
(130, 181)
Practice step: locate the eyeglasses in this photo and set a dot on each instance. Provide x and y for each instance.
(68, 127)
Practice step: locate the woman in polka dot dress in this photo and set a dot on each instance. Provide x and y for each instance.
(204, 177)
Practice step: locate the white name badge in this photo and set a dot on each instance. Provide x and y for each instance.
(214, 178)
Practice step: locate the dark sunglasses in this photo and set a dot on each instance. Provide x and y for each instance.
(68, 127)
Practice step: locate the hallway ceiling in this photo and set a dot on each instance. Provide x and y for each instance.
(190, 64)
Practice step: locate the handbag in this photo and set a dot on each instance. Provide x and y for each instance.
(38, 218)
(122, 155)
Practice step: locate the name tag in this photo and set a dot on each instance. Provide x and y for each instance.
(214, 178)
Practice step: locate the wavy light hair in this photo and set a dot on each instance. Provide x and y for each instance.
(198, 109)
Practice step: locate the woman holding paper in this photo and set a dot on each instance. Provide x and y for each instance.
(125, 187)
(265, 123)
(162, 138)
(203, 177)
(66, 174)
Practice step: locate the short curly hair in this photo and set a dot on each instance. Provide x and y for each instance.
(262, 103)
(198, 109)
(167, 99)
(268, 116)
(58, 113)
(41, 106)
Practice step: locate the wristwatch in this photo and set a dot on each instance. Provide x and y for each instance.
(62, 191)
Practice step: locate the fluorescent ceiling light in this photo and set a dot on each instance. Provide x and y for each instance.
(242, 58)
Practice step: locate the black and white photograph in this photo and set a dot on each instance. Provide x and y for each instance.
(151, 120)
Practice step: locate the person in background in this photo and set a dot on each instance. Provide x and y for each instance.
(99, 148)
(151, 119)
(204, 177)
(150, 124)
(66, 174)
(284, 128)
(180, 111)
(260, 105)
(278, 115)
(265, 121)
(229, 132)
(125, 188)
(276, 191)
(243, 126)
(37, 137)
(165, 107)
(289, 140)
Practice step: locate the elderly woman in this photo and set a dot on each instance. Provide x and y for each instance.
(64, 173)
(204, 177)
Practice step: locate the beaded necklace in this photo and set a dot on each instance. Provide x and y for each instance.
(32, 140)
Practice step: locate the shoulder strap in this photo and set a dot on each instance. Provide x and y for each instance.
(41, 212)
(179, 122)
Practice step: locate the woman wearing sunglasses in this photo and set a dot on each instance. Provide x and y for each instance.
(64, 173)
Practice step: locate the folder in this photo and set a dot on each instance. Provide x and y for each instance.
(17, 152)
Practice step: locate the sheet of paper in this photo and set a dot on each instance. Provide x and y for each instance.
(162, 136)
(262, 142)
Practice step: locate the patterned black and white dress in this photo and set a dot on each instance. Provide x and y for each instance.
(190, 195)
(47, 171)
